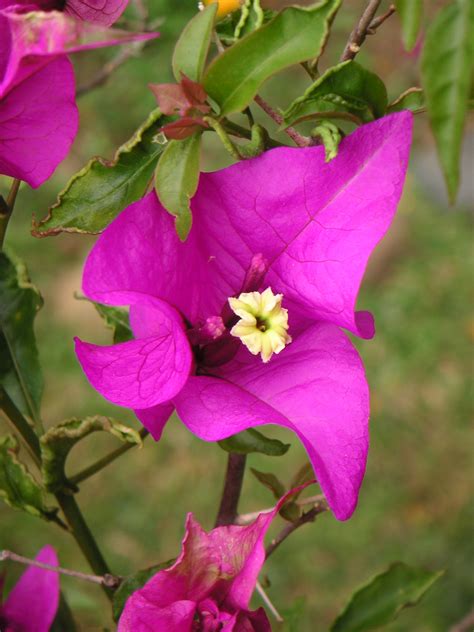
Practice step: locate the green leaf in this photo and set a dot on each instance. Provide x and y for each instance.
(344, 91)
(20, 371)
(17, 486)
(293, 36)
(103, 188)
(116, 318)
(411, 15)
(412, 99)
(192, 47)
(251, 18)
(379, 601)
(176, 180)
(59, 440)
(270, 481)
(304, 475)
(131, 583)
(446, 64)
(250, 441)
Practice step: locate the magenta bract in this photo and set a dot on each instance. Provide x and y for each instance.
(38, 113)
(285, 220)
(32, 603)
(209, 586)
(104, 12)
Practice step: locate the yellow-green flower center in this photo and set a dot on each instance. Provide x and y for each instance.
(263, 324)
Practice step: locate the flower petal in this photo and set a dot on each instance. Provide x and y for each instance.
(316, 387)
(315, 222)
(32, 604)
(141, 252)
(31, 38)
(142, 615)
(145, 372)
(154, 419)
(104, 12)
(221, 566)
(316, 226)
(32, 140)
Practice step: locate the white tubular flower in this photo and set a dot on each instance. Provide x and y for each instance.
(263, 324)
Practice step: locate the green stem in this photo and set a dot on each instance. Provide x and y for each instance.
(104, 461)
(6, 209)
(71, 511)
(226, 141)
(19, 423)
(84, 537)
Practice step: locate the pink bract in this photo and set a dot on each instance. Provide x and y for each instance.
(209, 586)
(104, 12)
(286, 220)
(32, 603)
(38, 113)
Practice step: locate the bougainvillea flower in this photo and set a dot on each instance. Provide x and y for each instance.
(209, 586)
(286, 222)
(38, 113)
(104, 12)
(32, 603)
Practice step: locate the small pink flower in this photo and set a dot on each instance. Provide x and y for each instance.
(32, 603)
(208, 588)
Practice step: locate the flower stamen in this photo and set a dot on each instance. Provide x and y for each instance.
(263, 324)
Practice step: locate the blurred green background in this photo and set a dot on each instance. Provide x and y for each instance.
(416, 502)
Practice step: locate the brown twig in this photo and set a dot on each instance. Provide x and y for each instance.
(250, 517)
(301, 141)
(232, 487)
(465, 625)
(110, 581)
(103, 75)
(359, 33)
(376, 22)
(309, 516)
(128, 51)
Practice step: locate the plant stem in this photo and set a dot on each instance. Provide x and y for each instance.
(300, 140)
(376, 22)
(64, 619)
(89, 471)
(232, 488)
(83, 537)
(359, 32)
(242, 132)
(106, 580)
(309, 516)
(19, 423)
(6, 209)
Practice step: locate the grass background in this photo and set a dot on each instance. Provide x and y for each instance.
(415, 503)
